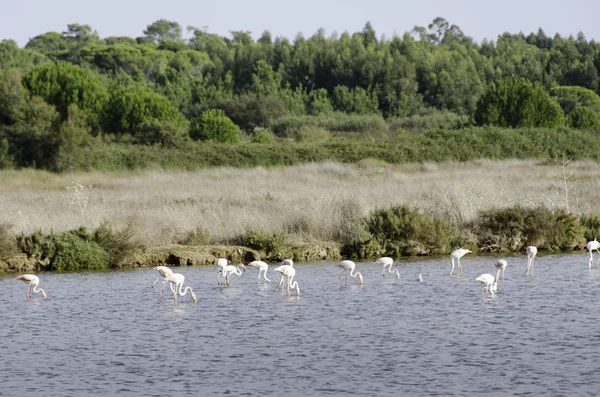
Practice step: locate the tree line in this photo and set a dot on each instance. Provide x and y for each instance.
(66, 93)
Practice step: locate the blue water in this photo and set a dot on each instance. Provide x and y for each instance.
(110, 333)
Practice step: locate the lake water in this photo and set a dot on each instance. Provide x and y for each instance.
(110, 333)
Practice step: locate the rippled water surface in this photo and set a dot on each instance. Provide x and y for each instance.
(110, 333)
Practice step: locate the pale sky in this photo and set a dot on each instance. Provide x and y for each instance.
(22, 20)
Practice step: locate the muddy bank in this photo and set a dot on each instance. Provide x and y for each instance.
(184, 255)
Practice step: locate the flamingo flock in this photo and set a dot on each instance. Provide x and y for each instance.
(288, 273)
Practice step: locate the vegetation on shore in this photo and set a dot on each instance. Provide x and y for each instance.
(74, 101)
(307, 212)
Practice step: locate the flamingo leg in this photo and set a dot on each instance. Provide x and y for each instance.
(451, 270)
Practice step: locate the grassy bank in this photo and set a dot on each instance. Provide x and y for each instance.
(275, 211)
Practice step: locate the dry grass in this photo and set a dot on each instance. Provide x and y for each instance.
(312, 201)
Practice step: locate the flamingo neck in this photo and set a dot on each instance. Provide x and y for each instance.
(37, 289)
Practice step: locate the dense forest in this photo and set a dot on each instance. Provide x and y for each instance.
(75, 101)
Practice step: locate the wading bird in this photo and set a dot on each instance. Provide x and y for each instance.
(178, 280)
(349, 266)
(490, 283)
(289, 272)
(501, 265)
(420, 278)
(33, 282)
(164, 272)
(387, 262)
(285, 262)
(262, 268)
(531, 253)
(230, 269)
(221, 263)
(593, 245)
(457, 254)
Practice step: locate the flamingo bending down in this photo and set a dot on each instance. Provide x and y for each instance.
(230, 269)
(593, 245)
(165, 272)
(457, 254)
(490, 283)
(501, 265)
(33, 282)
(262, 268)
(531, 253)
(221, 263)
(178, 280)
(285, 262)
(289, 272)
(349, 266)
(387, 262)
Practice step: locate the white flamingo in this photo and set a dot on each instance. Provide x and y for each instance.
(591, 246)
(178, 280)
(387, 262)
(531, 253)
(164, 272)
(289, 272)
(349, 266)
(501, 265)
(490, 283)
(33, 282)
(230, 269)
(285, 262)
(221, 263)
(420, 278)
(457, 254)
(262, 268)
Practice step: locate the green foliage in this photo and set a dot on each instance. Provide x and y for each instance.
(74, 142)
(262, 135)
(163, 30)
(62, 84)
(337, 123)
(356, 100)
(403, 231)
(276, 245)
(214, 125)
(130, 106)
(8, 243)
(72, 252)
(120, 245)
(513, 229)
(37, 245)
(572, 97)
(251, 111)
(311, 134)
(319, 102)
(583, 117)
(516, 102)
(11, 56)
(591, 226)
(431, 119)
(158, 132)
(198, 236)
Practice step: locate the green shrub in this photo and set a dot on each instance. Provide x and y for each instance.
(276, 245)
(198, 236)
(152, 132)
(119, 245)
(583, 117)
(214, 125)
(8, 244)
(403, 231)
(262, 136)
(513, 229)
(432, 119)
(311, 134)
(37, 245)
(517, 102)
(74, 253)
(591, 226)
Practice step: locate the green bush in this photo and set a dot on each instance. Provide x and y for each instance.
(8, 244)
(311, 134)
(591, 226)
(262, 136)
(571, 97)
(583, 117)
(119, 245)
(214, 125)
(198, 236)
(432, 119)
(513, 229)
(276, 245)
(403, 231)
(74, 253)
(517, 102)
(152, 132)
